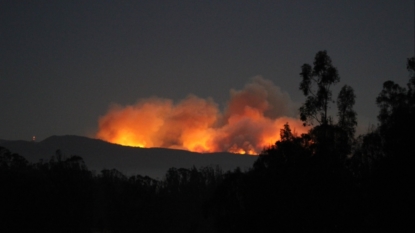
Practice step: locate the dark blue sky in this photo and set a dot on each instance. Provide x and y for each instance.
(63, 62)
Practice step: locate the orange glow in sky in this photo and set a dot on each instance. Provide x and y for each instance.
(251, 121)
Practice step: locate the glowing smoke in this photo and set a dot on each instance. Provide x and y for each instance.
(252, 120)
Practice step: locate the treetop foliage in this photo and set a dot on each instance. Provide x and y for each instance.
(316, 84)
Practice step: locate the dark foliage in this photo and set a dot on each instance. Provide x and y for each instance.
(62, 195)
(291, 188)
(323, 75)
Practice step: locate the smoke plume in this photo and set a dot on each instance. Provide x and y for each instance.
(251, 121)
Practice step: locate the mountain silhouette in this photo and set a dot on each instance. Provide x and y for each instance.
(99, 155)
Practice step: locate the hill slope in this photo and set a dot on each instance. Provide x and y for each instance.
(99, 154)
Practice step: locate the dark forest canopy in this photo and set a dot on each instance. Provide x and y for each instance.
(323, 181)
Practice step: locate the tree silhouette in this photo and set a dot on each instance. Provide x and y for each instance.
(397, 113)
(384, 159)
(322, 75)
(290, 150)
(346, 114)
(10, 160)
(331, 142)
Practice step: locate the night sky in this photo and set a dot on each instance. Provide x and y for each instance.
(63, 63)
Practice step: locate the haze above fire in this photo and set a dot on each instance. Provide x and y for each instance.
(251, 121)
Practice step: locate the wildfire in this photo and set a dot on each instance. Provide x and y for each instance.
(252, 121)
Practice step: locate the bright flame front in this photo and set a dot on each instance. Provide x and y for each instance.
(252, 121)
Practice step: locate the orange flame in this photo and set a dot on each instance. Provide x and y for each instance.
(251, 121)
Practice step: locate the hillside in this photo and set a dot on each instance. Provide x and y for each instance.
(99, 154)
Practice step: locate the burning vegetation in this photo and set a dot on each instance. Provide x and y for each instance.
(250, 122)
